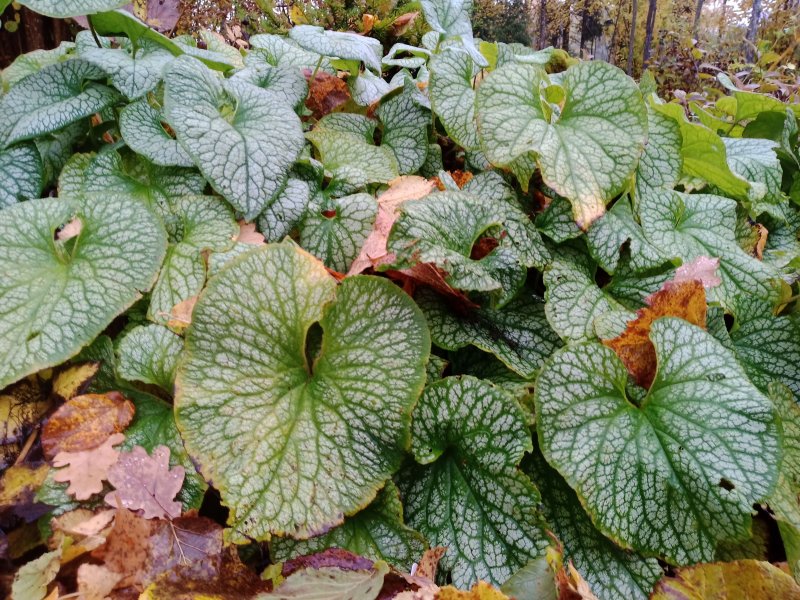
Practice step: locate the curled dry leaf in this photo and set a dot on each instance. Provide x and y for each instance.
(86, 470)
(686, 300)
(85, 530)
(248, 234)
(702, 269)
(72, 380)
(85, 422)
(374, 252)
(326, 92)
(146, 483)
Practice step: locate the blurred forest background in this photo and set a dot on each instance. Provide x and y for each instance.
(684, 43)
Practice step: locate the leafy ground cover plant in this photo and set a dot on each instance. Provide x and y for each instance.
(462, 320)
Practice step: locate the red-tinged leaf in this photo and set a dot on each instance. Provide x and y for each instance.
(374, 252)
(146, 483)
(686, 300)
(430, 562)
(86, 470)
(326, 93)
(332, 557)
(85, 422)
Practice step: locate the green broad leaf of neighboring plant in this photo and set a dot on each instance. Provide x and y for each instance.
(332, 414)
(286, 82)
(451, 18)
(142, 128)
(610, 571)
(286, 211)
(453, 97)
(768, 347)
(588, 130)
(755, 160)
(376, 532)
(573, 302)
(405, 131)
(242, 138)
(335, 230)
(61, 9)
(154, 425)
(446, 228)
(661, 163)
(21, 174)
(201, 223)
(703, 152)
(748, 105)
(351, 161)
(149, 353)
(615, 229)
(337, 44)
(517, 334)
(134, 73)
(780, 127)
(122, 23)
(33, 62)
(467, 493)
(676, 473)
(53, 299)
(52, 99)
(688, 226)
(278, 51)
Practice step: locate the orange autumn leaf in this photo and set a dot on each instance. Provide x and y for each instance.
(430, 562)
(85, 422)
(479, 591)
(326, 92)
(86, 470)
(686, 299)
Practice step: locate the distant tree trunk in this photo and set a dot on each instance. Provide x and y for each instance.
(34, 32)
(752, 31)
(652, 7)
(584, 23)
(542, 23)
(612, 47)
(632, 39)
(723, 18)
(698, 11)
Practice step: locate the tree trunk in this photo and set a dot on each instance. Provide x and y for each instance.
(723, 18)
(752, 31)
(584, 23)
(652, 8)
(542, 23)
(35, 32)
(612, 47)
(698, 11)
(632, 39)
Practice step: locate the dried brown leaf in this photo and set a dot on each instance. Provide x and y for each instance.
(18, 487)
(180, 317)
(72, 380)
(22, 405)
(326, 92)
(146, 483)
(85, 422)
(430, 562)
(686, 300)
(86, 470)
(479, 591)
(248, 234)
(95, 582)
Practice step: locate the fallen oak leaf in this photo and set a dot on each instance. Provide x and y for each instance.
(146, 483)
(82, 530)
(686, 300)
(86, 470)
(85, 422)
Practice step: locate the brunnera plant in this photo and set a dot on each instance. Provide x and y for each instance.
(464, 295)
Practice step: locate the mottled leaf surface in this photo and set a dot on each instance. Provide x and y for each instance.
(142, 129)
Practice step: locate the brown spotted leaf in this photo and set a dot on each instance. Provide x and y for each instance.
(74, 379)
(745, 579)
(686, 300)
(326, 92)
(430, 561)
(86, 470)
(85, 422)
(22, 405)
(146, 483)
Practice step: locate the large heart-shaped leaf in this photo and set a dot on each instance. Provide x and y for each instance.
(451, 18)
(313, 428)
(58, 295)
(587, 129)
(344, 45)
(661, 162)
(243, 139)
(405, 130)
(52, 99)
(277, 51)
(756, 161)
(453, 97)
(149, 353)
(61, 9)
(680, 471)
(468, 493)
(142, 129)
